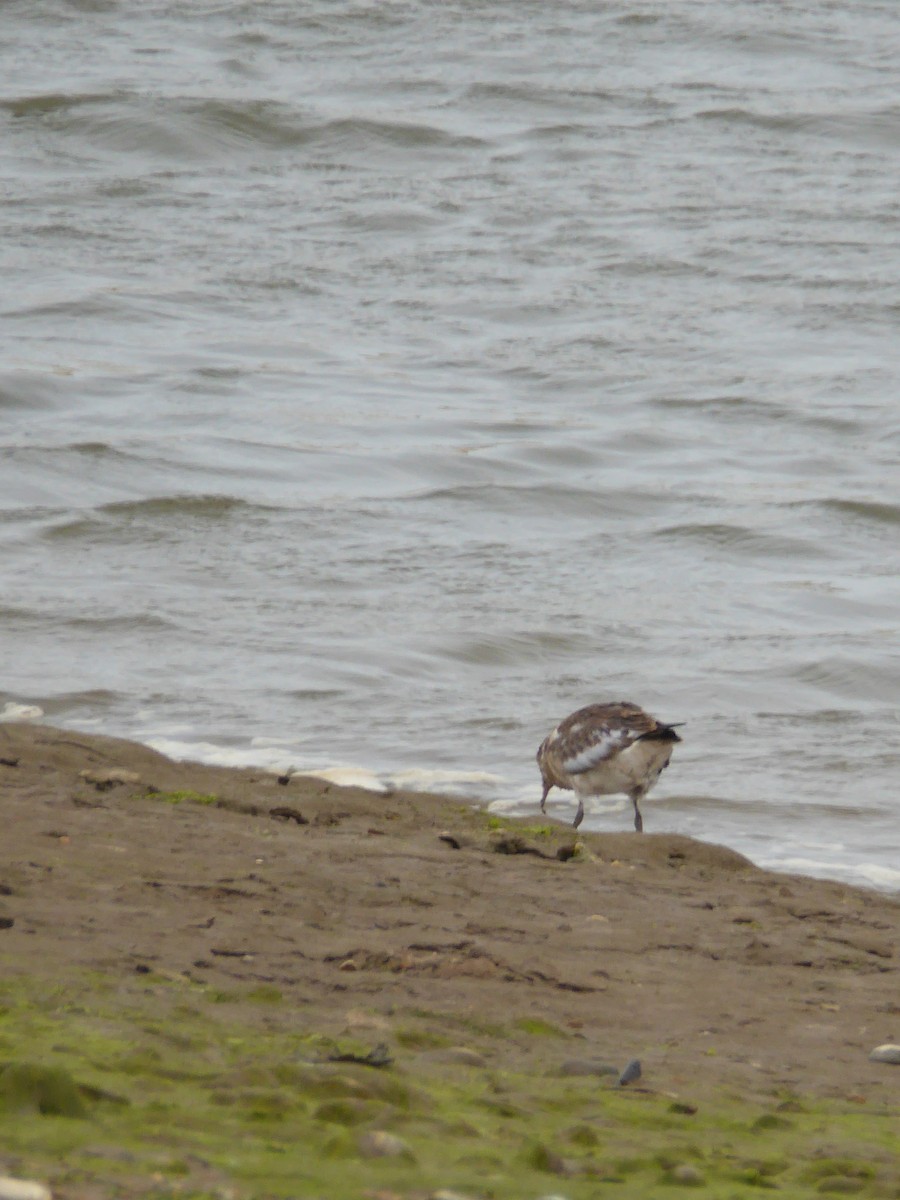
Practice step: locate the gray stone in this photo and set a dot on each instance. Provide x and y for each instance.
(631, 1073)
(378, 1144)
(888, 1053)
(687, 1175)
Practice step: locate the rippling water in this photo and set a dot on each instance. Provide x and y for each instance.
(382, 381)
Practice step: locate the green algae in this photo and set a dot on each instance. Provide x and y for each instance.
(494, 824)
(248, 1098)
(27, 1087)
(538, 1028)
(181, 797)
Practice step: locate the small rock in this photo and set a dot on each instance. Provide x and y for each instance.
(687, 1175)
(888, 1053)
(587, 1066)
(378, 1144)
(631, 1073)
(348, 965)
(444, 1194)
(23, 1189)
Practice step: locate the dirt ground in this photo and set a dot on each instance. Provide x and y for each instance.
(712, 972)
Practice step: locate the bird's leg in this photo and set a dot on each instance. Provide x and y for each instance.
(638, 820)
(579, 816)
(544, 797)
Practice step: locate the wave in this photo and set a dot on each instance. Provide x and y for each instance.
(282, 759)
(871, 511)
(110, 521)
(184, 127)
(743, 540)
(546, 499)
(874, 874)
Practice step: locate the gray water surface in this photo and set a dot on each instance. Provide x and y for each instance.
(382, 381)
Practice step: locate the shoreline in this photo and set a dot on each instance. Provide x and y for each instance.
(463, 785)
(422, 922)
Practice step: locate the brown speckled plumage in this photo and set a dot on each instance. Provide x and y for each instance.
(604, 749)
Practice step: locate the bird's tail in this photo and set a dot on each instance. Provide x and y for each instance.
(662, 733)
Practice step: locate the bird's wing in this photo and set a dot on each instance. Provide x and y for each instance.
(602, 745)
(599, 732)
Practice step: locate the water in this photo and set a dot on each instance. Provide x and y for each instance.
(382, 381)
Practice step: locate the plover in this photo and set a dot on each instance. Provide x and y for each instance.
(604, 749)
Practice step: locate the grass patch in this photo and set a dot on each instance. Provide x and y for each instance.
(111, 1086)
(494, 824)
(181, 797)
(538, 1028)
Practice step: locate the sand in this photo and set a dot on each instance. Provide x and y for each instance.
(654, 945)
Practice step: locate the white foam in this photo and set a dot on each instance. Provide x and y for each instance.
(560, 804)
(271, 759)
(874, 874)
(278, 756)
(20, 712)
(275, 758)
(424, 779)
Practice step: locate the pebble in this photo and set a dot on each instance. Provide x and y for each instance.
(687, 1176)
(23, 1189)
(888, 1053)
(632, 1071)
(378, 1144)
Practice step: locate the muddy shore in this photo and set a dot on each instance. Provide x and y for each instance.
(366, 913)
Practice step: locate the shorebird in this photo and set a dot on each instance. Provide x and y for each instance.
(604, 749)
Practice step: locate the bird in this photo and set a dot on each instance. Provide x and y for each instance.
(603, 749)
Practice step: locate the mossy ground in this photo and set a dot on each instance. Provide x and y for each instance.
(174, 1097)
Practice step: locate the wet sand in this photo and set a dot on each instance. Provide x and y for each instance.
(711, 971)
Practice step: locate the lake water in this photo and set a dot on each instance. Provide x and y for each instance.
(382, 381)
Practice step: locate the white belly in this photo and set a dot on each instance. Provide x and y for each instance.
(634, 769)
